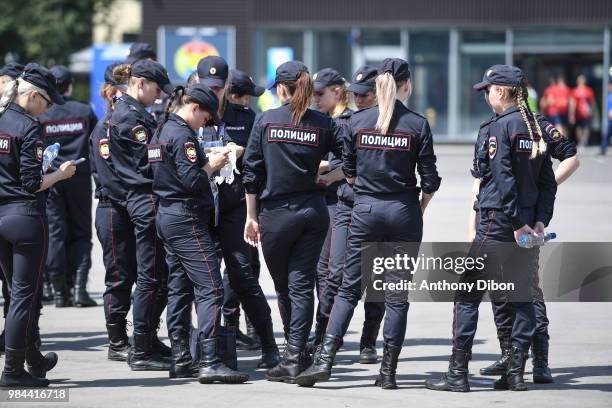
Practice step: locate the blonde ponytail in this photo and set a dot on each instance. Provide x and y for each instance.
(9, 95)
(343, 102)
(386, 91)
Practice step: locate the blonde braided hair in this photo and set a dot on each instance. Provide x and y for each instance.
(537, 146)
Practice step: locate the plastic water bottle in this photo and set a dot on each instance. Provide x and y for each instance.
(49, 155)
(529, 241)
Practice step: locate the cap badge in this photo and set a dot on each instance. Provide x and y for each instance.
(315, 76)
(359, 77)
(489, 72)
(212, 70)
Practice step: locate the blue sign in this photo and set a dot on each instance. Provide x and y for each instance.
(180, 48)
(103, 56)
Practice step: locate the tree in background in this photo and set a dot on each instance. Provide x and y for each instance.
(46, 31)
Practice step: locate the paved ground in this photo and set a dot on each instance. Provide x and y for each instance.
(581, 349)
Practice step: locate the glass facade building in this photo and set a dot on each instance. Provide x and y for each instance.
(446, 63)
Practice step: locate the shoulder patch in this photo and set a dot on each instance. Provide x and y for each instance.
(552, 133)
(40, 149)
(492, 147)
(5, 144)
(190, 152)
(140, 134)
(103, 149)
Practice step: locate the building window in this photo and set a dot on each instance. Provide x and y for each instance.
(429, 65)
(332, 49)
(478, 50)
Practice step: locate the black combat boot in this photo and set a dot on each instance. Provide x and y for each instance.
(456, 379)
(317, 338)
(47, 292)
(270, 357)
(539, 348)
(60, 292)
(291, 364)
(499, 367)
(14, 376)
(512, 379)
(320, 369)
(81, 297)
(36, 363)
(143, 358)
(386, 377)
(159, 347)
(182, 362)
(367, 345)
(118, 342)
(212, 369)
(251, 332)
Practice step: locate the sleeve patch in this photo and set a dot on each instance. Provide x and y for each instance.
(40, 148)
(103, 149)
(190, 152)
(492, 147)
(140, 134)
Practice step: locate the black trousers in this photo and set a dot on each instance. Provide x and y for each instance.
(116, 234)
(328, 289)
(504, 318)
(151, 293)
(494, 229)
(292, 234)
(325, 259)
(376, 218)
(69, 215)
(237, 255)
(23, 246)
(194, 273)
(231, 302)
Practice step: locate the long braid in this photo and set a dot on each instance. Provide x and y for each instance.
(521, 106)
(541, 143)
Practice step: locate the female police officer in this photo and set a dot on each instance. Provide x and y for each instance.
(233, 131)
(23, 227)
(331, 98)
(385, 145)
(564, 150)
(131, 128)
(181, 180)
(113, 226)
(281, 164)
(516, 192)
(363, 87)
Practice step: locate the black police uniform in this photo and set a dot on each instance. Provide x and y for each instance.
(130, 129)
(280, 165)
(363, 81)
(241, 84)
(515, 190)
(13, 70)
(69, 201)
(116, 234)
(561, 148)
(186, 201)
(386, 209)
(24, 234)
(236, 126)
